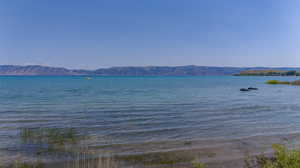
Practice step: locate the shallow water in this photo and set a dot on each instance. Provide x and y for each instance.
(126, 110)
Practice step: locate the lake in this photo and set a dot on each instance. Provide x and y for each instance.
(128, 110)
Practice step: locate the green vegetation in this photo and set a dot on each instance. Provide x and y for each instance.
(198, 164)
(63, 142)
(283, 158)
(257, 162)
(56, 138)
(275, 82)
(268, 73)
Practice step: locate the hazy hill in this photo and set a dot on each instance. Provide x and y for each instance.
(129, 71)
(34, 70)
(167, 71)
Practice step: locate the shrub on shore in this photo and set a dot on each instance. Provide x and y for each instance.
(283, 158)
(275, 82)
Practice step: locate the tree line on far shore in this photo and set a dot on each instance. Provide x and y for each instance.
(268, 73)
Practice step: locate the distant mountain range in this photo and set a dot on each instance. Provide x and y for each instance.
(190, 70)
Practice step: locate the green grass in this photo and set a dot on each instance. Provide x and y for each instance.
(59, 142)
(283, 158)
(54, 137)
(275, 82)
(198, 164)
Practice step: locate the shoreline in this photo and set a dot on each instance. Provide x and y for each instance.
(214, 153)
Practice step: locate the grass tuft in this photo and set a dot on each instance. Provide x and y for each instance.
(198, 164)
(276, 82)
(283, 158)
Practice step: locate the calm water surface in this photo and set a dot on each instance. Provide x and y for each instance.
(141, 109)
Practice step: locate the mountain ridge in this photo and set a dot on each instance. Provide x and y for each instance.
(188, 70)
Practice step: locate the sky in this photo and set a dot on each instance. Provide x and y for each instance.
(103, 33)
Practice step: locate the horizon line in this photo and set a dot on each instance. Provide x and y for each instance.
(141, 66)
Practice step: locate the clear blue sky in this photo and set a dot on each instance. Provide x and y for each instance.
(103, 33)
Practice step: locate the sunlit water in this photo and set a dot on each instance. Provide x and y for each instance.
(126, 110)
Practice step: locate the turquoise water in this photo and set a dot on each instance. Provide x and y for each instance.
(127, 110)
